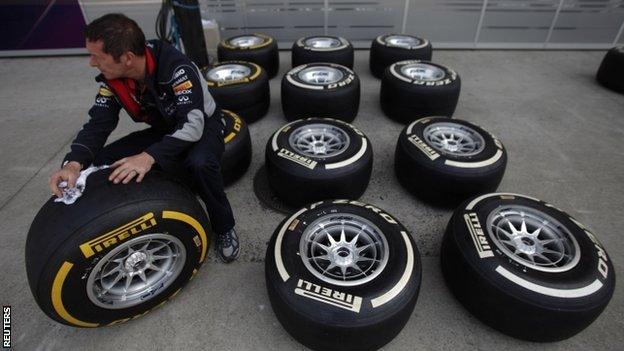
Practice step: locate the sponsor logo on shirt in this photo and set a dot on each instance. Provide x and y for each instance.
(183, 86)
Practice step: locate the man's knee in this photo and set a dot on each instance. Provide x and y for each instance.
(203, 164)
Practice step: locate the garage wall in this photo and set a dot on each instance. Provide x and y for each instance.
(557, 24)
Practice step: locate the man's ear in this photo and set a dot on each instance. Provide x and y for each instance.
(128, 58)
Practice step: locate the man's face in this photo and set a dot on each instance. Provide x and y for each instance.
(110, 68)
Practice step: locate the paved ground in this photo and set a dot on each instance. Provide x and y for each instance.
(563, 133)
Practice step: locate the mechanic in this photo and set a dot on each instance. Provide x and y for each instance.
(158, 85)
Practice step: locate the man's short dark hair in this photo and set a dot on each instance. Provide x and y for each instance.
(118, 33)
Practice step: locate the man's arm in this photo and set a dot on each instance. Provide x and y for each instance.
(193, 104)
(104, 116)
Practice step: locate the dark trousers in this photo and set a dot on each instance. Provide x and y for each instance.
(200, 163)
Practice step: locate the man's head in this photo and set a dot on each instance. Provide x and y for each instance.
(115, 43)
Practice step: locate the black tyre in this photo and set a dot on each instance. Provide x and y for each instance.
(445, 161)
(555, 284)
(342, 275)
(390, 48)
(316, 159)
(321, 90)
(118, 252)
(257, 48)
(415, 89)
(611, 71)
(237, 154)
(241, 87)
(313, 49)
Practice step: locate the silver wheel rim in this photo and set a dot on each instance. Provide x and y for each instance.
(319, 140)
(246, 41)
(323, 42)
(454, 139)
(533, 238)
(403, 41)
(320, 75)
(136, 271)
(344, 249)
(423, 72)
(230, 72)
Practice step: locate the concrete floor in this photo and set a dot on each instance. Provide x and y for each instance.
(563, 133)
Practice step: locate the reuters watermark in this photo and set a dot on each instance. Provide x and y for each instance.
(6, 327)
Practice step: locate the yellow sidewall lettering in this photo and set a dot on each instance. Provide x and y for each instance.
(57, 298)
(193, 223)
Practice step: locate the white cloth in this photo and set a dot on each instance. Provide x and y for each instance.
(70, 195)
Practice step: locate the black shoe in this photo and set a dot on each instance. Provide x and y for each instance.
(227, 247)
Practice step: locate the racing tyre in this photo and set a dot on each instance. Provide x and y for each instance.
(321, 90)
(611, 71)
(336, 50)
(237, 154)
(445, 161)
(241, 87)
(390, 48)
(342, 275)
(118, 252)
(257, 48)
(415, 89)
(525, 268)
(316, 159)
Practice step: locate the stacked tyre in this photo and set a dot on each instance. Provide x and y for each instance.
(321, 90)
(390, 48)
(331, 49)
(237, 153)
(257, 48)
(414, 89)
(241, 87)
(611, 71)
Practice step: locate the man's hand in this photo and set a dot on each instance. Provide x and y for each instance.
(129, 167)
(69, 173)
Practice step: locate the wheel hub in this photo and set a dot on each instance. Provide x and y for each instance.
(246, 41)
(135, 262)
(319, 140)
(344, 249)
(422, 71)
(226, 73)
(320, 75)
(402, 41)
(323, 42)
(454, 139)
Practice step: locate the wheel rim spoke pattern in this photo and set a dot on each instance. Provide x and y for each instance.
(228, 73)
(454, 139)
(319, 140)
(533, 238)
(344, 249)
(320, 75)
(135, 270)
(422, 72)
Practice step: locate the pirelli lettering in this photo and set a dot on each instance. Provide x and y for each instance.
(118, 235)
(328, 296)
(304, 161)
(426, 149)
(478, 237)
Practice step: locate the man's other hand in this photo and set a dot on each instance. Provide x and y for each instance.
(69, 173)
(128, 168)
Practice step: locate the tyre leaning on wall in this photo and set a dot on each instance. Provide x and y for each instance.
(525, 268)
(611, 71)
(342, 275)
(116, 253)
